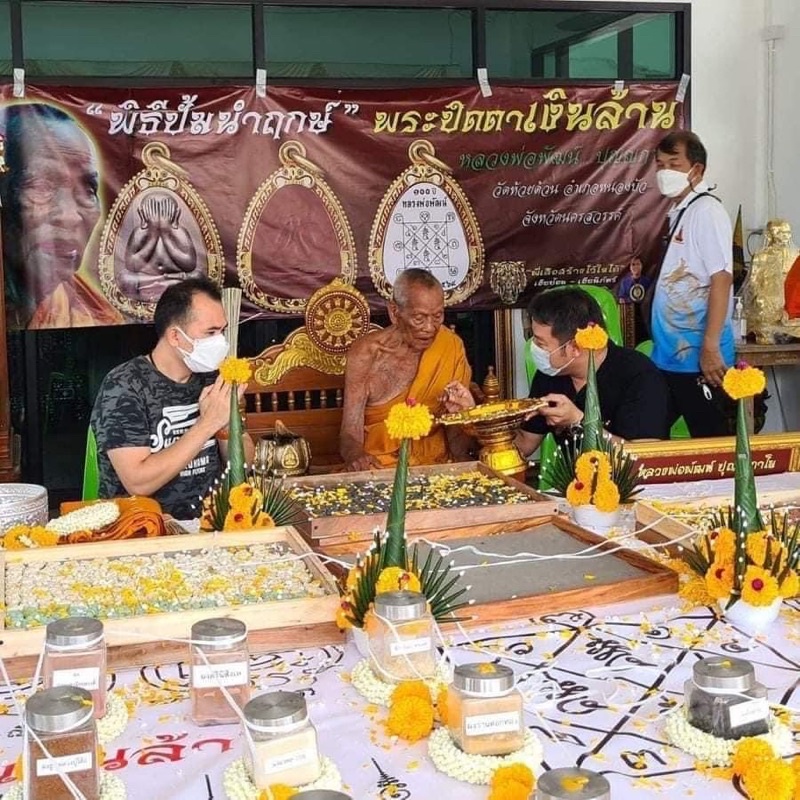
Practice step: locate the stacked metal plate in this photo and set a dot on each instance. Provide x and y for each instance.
(22, 504)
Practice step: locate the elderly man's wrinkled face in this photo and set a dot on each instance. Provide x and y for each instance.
(420, 318)
(58, 199)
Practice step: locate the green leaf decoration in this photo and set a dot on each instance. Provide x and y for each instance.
(395, 548)
(592, 421)
(745, 499)
(235, 444)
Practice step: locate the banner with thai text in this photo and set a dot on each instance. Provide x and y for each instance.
(111, 195)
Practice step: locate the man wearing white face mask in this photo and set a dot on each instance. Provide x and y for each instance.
(691, 323)
(160, 419)
(633, 396)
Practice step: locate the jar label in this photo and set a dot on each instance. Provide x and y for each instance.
(46, 767)
(408, 646)
(85, 678)
(209, 676)
(748, 712)
(482, 724)
(290, 760)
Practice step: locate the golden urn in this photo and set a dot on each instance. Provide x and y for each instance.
(282, 454)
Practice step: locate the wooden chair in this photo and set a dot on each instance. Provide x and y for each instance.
(301, 381)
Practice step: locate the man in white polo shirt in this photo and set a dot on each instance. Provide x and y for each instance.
(691, 313)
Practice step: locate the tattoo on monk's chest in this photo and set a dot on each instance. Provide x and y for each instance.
(390, 376)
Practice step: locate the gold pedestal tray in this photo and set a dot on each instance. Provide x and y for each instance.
(494, 426)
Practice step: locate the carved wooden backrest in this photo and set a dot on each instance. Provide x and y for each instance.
(301, 381)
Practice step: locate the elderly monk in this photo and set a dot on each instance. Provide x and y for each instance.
(415, 357)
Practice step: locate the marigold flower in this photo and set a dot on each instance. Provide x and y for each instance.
(238, 521)
(517, 772)
(12, 539)
(759, 588)
(42, 537)
(591, 462)
(397, 579)
(406, 421)
(606, 496)
(743, 381)
(756, 544)
(264, 520)
(411, 689)
(750, 752)
(592, 337)
(441, 705)
(694, 591)
(723, 543)
(278, 791)
(410, 718)
(344, 611)
(719, 580)
(790, 586)
(578, 493)
(244, 496)
(235, 370)
(773, 779)
(510, 790)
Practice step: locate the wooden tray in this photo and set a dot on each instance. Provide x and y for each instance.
(530, 589)
(358, 527)
(656, 526)
(139, 641)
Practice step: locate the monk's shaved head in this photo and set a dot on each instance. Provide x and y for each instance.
(410, 279)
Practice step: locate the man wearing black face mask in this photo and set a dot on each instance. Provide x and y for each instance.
(160, 419)
(691, 321)
(633, 395)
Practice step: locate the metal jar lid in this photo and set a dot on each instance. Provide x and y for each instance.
(74, 632)
(572, 783)
(400, 606)
(321, 794)
(487, 680)
(721, 672)
(274, 711)
(60, 709)
(218, 633)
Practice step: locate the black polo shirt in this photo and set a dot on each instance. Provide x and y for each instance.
(634, 398)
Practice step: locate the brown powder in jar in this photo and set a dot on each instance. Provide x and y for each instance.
(66, 748)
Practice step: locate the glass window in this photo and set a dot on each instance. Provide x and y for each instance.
(368, 42)
(5, 39)
(137, 39)
(580, 44)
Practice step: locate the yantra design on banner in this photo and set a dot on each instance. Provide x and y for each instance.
(111, 195)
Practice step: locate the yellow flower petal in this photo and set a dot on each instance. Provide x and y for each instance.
(743, 381)
(592, 337)
(235, 370)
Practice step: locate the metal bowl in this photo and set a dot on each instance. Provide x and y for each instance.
(22, 504)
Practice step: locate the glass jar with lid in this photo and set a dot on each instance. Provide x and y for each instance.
(75, 655)
(572, 783)
(401, 637)
(62, 740)
(724, 699)
(282, 741)
(484, 710)
(220, 658)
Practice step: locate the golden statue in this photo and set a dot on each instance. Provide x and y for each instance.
(764, 292)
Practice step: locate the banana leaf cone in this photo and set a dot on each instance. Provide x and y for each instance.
(747, 517)
(394, 548)
(235, 444)
(592, 421)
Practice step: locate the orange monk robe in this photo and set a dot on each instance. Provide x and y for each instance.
(444, 361)
(74, 303)
(791, 290)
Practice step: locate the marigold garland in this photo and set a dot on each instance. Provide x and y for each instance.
(409, 420)
(579, 493)
(594, 461)
(743, 381)
(606, 496)
(411, 689)
(235, 370)
(592, 337)
(719, 580)
(764, 774)
(723, 542)
(790, 586)
(244, 496)
(593, 483)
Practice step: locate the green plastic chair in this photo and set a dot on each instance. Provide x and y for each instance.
(679, 429)
(611, 317)
(91, 470)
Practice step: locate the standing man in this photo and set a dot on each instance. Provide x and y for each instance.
(161, 420)
(693, 303)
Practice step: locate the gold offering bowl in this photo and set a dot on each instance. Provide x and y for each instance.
(494, 424)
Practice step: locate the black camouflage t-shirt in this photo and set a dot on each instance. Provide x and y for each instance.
(137, 406)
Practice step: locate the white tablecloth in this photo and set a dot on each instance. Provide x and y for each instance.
(608, 721)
